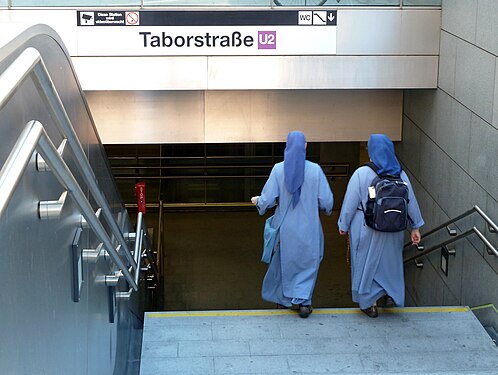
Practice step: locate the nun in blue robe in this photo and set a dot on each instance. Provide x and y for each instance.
(376, 257)
(302, 190)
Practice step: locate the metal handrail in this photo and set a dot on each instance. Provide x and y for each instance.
(148, 251)
(139, 232)
(30, 63)
(492, 226)
(34, 137)
(140, 238)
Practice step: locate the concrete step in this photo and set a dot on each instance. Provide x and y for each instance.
(424, 340)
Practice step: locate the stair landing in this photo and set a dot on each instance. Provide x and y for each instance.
(423, 340)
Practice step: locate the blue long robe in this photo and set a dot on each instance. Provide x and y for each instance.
(376, 257)
(293, 270)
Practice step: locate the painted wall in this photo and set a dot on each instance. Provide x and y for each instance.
(450, 148)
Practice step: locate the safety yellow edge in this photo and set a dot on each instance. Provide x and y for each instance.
(289, 312)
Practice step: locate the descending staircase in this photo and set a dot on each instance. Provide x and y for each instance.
(423, 340)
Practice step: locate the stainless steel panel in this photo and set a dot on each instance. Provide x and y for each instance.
(148, 117)
(322, 72)
(388, 32)
(142, 73)
(259, 72)
(327, 115)
(244, 115)
(43, 331)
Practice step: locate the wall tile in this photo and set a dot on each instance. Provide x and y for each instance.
(456, 130)
(492, 212)
(408, 150)
(459, 18)
(453, 282)
(447, 62)
(479, 163)
(449, 299)
(462, 192)
(480, 281)
(421, 109)
(436, 172)
(477, 196)
(453, 128)
(483, 155)
(431, 212)
(428, 158)
(409, 301)
(495, 105)
(475, 79)
(487, 27)
(424, 285)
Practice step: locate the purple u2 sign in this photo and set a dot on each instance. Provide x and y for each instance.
(267, 39)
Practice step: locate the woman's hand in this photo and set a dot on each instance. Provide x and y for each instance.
(342, 233)
(416, 237)
(254, 200)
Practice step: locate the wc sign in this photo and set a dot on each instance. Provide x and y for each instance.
(317, 18)
(267, 40)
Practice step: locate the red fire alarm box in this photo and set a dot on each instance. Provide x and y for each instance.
(140, 194)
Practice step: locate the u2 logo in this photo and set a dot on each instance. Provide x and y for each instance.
(267, 39)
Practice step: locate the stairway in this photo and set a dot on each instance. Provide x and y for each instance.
(423, 340)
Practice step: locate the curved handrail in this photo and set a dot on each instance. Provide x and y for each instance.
(30, 63)
(34, 137)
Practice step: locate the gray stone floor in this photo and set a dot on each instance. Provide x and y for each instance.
(411, 340)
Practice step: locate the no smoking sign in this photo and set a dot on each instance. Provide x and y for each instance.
(132, 18)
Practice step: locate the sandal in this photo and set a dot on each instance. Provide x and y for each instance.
(371, 311)
(386, 301)
(305, 311)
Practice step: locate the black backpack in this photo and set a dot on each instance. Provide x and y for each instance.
(387, 204)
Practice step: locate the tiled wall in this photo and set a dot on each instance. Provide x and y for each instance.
(450, 149)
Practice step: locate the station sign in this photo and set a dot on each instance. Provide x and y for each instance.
(216, 33)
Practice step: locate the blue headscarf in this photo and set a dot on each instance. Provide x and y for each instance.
(294, 158)
(381, 152)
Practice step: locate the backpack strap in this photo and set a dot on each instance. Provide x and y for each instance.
(372, 166)
(376, 170)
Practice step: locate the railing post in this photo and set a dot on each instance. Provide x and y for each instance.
(160, 239)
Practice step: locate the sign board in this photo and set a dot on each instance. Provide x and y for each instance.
(201, 33)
